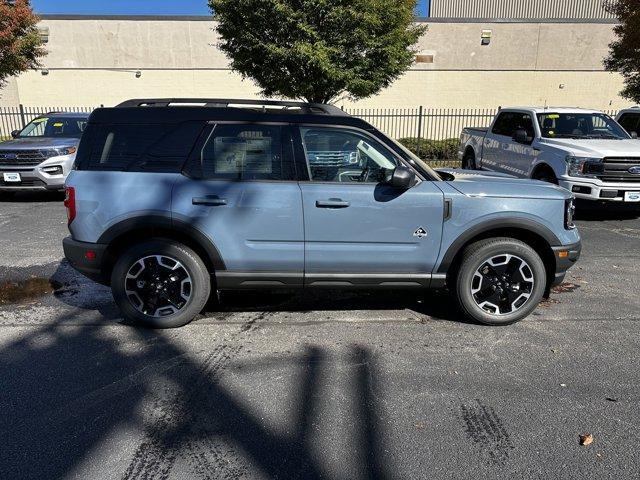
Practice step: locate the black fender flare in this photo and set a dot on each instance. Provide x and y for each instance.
(496, 224)
(166, 223)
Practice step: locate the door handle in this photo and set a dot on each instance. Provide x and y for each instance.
(209, 201)
(332, 203)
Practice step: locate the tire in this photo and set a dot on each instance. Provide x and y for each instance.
(478, 293)
(180, 277)
(545, 175)
(469, 161)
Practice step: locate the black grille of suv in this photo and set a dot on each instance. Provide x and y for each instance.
(614, 169)
(21, 157)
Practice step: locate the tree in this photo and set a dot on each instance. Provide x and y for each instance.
(624, 55)
(20, 43)
(318, 50)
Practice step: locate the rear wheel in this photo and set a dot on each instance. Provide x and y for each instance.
(160, 284)
(469, 161)
(500, 281)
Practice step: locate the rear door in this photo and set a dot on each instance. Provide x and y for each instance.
(241, 192)
(358, 230)
(501, 153)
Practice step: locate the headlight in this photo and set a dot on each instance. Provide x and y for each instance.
(67, 150)
(57, 152)
(583, 166)
(569, 212)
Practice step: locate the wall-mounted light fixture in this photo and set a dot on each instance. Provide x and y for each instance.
(44, 34)
(561, 86)
(485, 37)
(138, 74)
(44, 71)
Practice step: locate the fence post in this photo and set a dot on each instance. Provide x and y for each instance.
(419, 135)
(22, 118)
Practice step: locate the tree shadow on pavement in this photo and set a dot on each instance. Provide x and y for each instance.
(69, 390)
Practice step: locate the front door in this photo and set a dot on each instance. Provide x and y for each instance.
(246, 200)
(358, 230)
(501, 153)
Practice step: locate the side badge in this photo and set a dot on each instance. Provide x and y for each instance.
(420, 233)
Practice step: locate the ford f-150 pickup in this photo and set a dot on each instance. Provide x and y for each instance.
(584, 151)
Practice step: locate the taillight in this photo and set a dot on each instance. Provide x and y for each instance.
(70, 203)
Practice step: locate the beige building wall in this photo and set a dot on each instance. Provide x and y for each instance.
(94, 61)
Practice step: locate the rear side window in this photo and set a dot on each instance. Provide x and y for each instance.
(142, 148)
(508, 122)
(630, 122)
(245, 152)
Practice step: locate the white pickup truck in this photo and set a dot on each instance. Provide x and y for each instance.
(584, 151)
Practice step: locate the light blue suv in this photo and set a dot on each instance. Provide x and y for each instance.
(172, 199)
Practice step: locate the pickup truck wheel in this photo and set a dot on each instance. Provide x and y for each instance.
(546, 175)
(469, 161)
(500, 281)
(160, 284)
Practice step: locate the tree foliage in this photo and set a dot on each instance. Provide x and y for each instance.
(318, 50)
(20, 43)
(624, 55)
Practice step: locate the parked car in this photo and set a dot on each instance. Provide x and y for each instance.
(41, 155)
(168, 202)
(584, 151)
(630, 120)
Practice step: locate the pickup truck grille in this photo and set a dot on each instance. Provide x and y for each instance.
(10, 158)
(332, 159)
(616, 169)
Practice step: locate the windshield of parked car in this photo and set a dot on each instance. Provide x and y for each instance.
(580, 126)
(66, 127)
(414, 158)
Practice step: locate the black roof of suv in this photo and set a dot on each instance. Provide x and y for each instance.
(176, 110)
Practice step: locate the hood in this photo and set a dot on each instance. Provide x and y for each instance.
(38, 142)
(596, 148)
(489, 184)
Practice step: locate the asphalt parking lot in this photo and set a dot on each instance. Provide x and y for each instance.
(322, 385)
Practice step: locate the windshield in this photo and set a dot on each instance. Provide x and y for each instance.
(67, 127)
(580, 126)
(414, 158)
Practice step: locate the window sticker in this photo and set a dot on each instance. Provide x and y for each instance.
(553, 116)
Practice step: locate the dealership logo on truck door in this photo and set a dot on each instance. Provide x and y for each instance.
(420, 233)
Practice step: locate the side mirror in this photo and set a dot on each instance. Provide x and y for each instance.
(402, 178)
(521, 136)
(15, 134)
(634, 135)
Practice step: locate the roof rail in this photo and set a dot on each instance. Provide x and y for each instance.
(261, 105)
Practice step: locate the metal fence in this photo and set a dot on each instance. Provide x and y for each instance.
(424, 124)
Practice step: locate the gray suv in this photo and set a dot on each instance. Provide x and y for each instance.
(172, 199)
(41, 155)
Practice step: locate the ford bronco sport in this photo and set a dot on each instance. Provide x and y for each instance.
(172, 199)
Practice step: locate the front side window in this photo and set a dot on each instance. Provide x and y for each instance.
(579, 126)
(336, 155)
(66, 127)
(245, 152)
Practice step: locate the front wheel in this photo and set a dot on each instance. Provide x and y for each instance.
(160, 284)
(500, 281)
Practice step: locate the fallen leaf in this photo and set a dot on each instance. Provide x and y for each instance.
(612, 399)
(586, 439)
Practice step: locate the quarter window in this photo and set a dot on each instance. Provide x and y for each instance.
(630, 122)
(335, 155)
(245, 152)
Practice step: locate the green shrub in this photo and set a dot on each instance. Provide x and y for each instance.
(433, 149)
